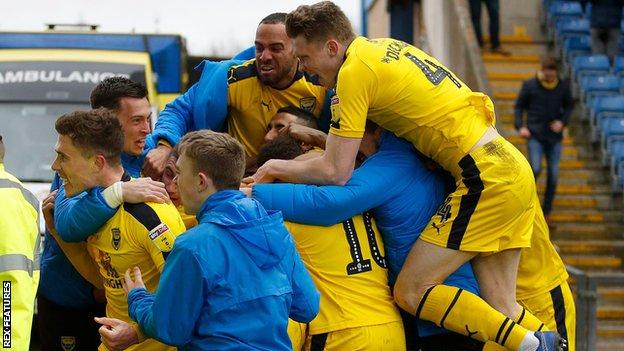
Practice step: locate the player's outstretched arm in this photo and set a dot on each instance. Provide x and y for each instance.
(335, 166)
(370, 185)
(79, 216)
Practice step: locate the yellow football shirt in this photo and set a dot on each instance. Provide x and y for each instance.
(346, 262)
(251, 104)
(137, 235)
(412, 95)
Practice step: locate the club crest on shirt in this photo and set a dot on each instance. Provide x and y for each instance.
(307, 103)
(68, 343)
(116, 238)
(335, 112)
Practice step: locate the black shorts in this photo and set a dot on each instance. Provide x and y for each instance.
(67, 329)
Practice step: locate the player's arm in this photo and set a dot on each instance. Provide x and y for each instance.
(349, 110)
(306, 299)
(79, 216)
(176, 119)
(333, 167)
(171, 313)
(327, 205)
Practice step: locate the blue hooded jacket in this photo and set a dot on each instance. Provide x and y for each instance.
(76, 218)
(401, 192)
(203, 106)
(230, 283)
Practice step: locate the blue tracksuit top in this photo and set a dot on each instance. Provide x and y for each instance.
(401, 192)
(75, 219)
(203, 106)
(230, 283)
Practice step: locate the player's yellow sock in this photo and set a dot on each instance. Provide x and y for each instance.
(465, 313)
(529, 321)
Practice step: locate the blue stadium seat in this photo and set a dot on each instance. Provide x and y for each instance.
(590, 65)
(559, 9)
(618, 66)
(612, 125)
(570, 27)
(614, 153)
(576, 46)
(592, 86)
(603, 108)
(587, 65)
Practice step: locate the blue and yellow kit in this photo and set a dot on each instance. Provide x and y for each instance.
(347, 263)
(251, 104)
(138, 235)
(413, 95)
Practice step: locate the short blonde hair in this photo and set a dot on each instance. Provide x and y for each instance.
(320, 22)
(218, 155)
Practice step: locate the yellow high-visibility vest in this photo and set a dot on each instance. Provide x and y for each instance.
(19, 260)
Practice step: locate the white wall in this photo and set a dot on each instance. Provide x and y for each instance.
(437, 28)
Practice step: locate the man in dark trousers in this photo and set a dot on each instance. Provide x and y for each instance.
(605, 19)
(548, 102)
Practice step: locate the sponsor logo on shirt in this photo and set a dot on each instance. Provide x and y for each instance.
(162, 237)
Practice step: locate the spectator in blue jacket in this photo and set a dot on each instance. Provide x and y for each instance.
(605, 21)
(403, 195)
(232, 282)
(548, 103)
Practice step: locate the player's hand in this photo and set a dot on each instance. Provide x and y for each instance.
(262, 175)
(246, 191)
(47, 207)
(304, 134)
(133, 284)
(556, 126)
(116, 334)
(524, 132)
(144, 190)
(155, 160)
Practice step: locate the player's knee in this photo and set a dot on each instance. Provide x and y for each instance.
(407, 295)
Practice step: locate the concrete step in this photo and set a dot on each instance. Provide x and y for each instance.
(508, 66)
(589, 216)
(575, 189)
(489, 57)
(587, 231)
(509, 76)
(585, 202)
(610, 334)
(611, 312)
(611, 293)
(613, 247)
(506, 86)
(593, 262)
(528, 49)
(609, 329)
(510, 96)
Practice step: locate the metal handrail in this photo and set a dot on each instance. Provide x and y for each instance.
(586, 288)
